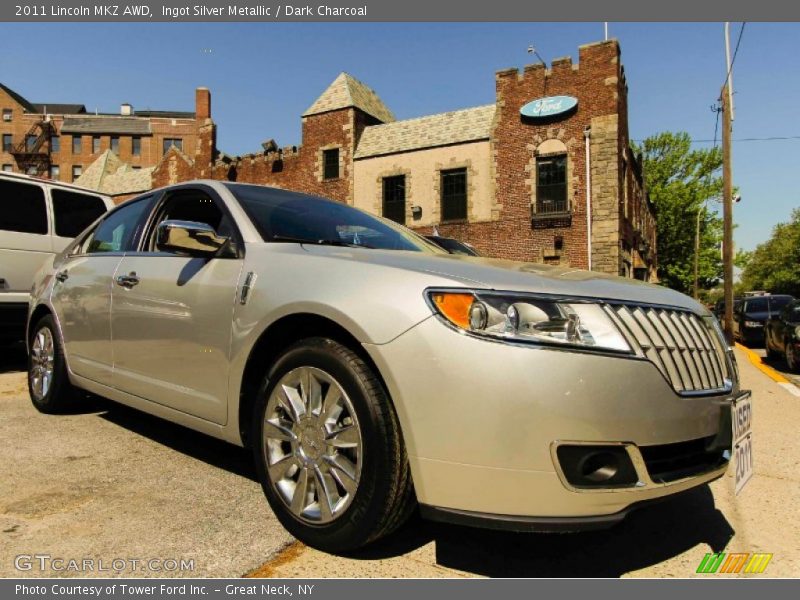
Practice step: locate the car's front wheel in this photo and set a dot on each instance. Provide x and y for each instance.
(771, 352)
(48, 382)
(328, 448)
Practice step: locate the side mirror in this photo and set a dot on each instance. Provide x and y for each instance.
(190, 237)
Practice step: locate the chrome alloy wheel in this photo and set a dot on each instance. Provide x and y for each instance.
(312, 445)
(42, 362)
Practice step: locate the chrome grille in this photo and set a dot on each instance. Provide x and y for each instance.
(678, 343)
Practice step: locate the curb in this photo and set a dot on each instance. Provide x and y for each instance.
(757, 362)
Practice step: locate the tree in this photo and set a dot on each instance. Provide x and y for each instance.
(775, 265)
(679, 181)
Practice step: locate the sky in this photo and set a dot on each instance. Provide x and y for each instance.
(263, 76)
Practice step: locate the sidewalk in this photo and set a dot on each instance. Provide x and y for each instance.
(111, 482)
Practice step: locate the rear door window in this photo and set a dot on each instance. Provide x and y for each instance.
(776, 305)
(22, 208)
(73, 212)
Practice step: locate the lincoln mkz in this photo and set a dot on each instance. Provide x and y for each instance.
(373, 373)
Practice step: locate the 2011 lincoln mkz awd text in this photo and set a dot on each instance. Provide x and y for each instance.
(371, 372)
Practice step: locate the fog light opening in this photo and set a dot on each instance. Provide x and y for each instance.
(598, 467)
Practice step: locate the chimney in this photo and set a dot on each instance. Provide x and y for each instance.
(126, 110)
(202, 101)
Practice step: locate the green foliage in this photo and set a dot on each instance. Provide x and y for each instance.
(742, 258)
(679, 181)
(775, 265)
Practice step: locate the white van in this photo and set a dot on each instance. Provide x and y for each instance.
(38, 218)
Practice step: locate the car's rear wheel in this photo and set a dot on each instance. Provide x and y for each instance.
(792, 359)
(48, 382)
(328, 448)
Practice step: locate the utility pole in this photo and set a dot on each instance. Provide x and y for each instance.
(697, 253)
(727, 190)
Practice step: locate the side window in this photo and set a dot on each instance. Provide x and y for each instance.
(74, 212)
(118, 231)
(22, 208)
(191, 205)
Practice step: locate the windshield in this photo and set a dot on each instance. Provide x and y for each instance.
(455, 247)
(757, 305)
(282, 216)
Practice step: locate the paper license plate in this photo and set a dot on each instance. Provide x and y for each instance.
(742, 417)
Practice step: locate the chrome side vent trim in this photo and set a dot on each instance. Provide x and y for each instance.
(249, 281)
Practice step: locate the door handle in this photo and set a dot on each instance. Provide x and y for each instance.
(62, 276)
(128, 281)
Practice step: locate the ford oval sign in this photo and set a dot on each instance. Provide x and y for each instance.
(548, 107)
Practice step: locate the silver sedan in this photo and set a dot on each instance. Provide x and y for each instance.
(372, 373)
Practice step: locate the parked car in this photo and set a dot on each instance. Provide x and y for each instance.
(453, 246)
(782, 335)
(258, 316)
(751, 315)
(719, 307)
(38, 218)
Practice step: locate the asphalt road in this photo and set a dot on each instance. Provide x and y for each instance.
(110, 483)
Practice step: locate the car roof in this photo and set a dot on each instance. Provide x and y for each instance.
(61, 184)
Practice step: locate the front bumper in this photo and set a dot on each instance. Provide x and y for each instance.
(481, 420)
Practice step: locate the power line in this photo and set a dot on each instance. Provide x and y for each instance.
(735, 52)
(751, 139)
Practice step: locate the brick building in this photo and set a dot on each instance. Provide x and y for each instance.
(61, 141)
(565, 189)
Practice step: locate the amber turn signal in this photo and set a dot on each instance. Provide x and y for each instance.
(454, 307)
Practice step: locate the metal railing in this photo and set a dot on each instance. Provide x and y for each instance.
(552, 208)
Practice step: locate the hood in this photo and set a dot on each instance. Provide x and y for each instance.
(510, 275)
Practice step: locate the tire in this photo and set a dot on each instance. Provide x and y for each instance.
(792, 359)
(364, 467)
(53, 393)
(771, 353)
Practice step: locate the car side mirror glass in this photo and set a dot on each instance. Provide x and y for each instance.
(190, 237)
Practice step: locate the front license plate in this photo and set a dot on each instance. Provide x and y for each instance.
(742, 417)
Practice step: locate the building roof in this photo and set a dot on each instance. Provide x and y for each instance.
(106, 124)
(345, 92)
(18, 99)
(55, 108)
(165, 114)
(109, 175)
(456, 127)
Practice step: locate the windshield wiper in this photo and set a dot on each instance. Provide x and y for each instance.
(319, 242)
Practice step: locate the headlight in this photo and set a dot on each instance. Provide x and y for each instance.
(753, 324)
(524, 318)
(797, 332)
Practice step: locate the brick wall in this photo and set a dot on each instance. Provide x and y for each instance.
(516, 143)
(151, 145)
(621, 218)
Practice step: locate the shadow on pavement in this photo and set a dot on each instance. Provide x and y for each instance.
(647, 537)
(13, 357)
(186, 441)
(779, 364)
